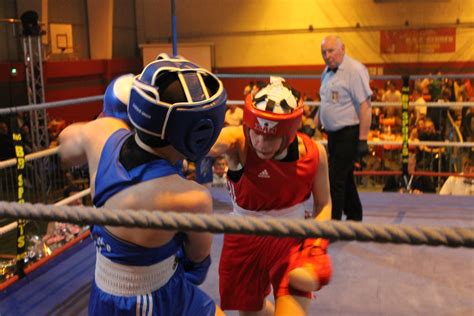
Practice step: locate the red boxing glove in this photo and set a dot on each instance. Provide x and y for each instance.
(310, 267)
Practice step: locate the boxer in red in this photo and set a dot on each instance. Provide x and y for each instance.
(273, 171)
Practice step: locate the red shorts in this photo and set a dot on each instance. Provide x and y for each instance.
(250, 265)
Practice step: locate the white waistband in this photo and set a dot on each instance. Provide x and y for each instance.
(296, 211)
(122, 280)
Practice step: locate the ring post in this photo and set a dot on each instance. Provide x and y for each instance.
(173, 27)
(20, 238)
(405, 127)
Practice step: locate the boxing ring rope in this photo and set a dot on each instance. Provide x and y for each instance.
(384, 104)
(39, 154)
(351, 231)
(30, 157)
(335, 230)
(52, 151)
(48, 105)
(76, 196)
(414, 173)
(313, 76)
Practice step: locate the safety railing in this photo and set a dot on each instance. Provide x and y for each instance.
(44, 179)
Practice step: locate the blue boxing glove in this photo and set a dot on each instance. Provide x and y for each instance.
(116, 97)
(195, 272)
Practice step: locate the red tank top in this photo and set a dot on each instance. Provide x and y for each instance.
(272, 184)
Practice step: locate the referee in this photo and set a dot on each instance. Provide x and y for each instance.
(345, 115)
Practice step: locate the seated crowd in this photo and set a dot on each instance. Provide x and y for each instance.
(425, 124)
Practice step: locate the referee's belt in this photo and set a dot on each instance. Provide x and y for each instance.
(344, 129)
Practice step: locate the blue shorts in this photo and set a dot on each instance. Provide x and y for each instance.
(177, 297)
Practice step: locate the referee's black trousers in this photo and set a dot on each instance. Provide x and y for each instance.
(342, 147)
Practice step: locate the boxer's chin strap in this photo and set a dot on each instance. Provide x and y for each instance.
(144, 146)
(281, 154)
(172, 158)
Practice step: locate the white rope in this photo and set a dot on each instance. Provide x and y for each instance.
(220, 223)
(29, 157)
(7, 228)
(314, 76)
(387, 104)
(396, 104)
(424, 143)
(417, 144)
(47, 105)
(76, 196)
(54, 150)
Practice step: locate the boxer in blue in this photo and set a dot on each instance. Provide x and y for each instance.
(116, 97)
(176, 110)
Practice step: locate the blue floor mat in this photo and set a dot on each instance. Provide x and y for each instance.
(368, 278)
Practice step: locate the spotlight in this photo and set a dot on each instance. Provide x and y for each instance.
(29, 21)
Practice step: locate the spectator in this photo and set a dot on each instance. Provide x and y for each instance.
(463, 184)
(248, 88)
(413, 184)
(7, 150)
(307, 121)
(55, 126)
(26, 139)
(233, 115)
(467, 125)
(431, 157)
(439, 115)
(219, 171)
(419, 103)
(259, 85)
(392, 114)
(392, 94)
(429, 132)
(435, 87)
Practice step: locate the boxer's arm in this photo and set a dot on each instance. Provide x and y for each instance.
(227, 142)
(198, 245)
(71, 145)
(321, 194)
(195, 272)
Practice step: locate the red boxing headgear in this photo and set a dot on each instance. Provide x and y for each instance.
(274, 110)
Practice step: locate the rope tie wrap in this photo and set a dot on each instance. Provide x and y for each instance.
(335, 230)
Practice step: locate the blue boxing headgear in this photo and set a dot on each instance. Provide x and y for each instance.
(116, 97)
(175, 101)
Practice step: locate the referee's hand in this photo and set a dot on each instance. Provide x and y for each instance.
(362, 148)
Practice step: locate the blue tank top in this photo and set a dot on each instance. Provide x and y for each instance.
(111, 178)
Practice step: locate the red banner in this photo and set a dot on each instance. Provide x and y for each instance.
(424, 41)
